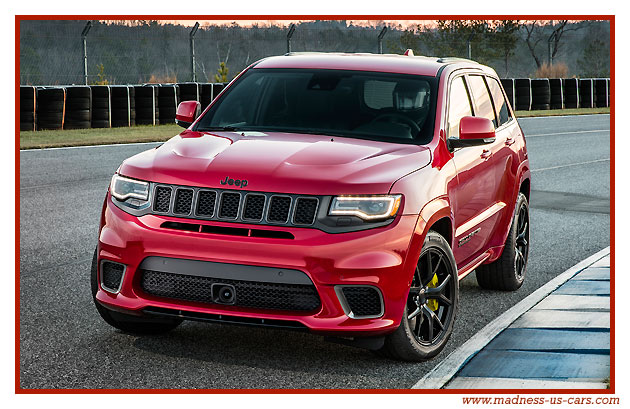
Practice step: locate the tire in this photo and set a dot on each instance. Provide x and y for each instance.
(124, 322)
(100, 103)
(78, 115)
(407, 342)
(76, 124)
(507, 273)
(540, 107)
(26, 126)
(100, 123)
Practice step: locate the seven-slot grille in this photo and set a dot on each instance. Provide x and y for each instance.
(230, 205)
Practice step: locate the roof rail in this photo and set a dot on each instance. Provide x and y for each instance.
(454, 59)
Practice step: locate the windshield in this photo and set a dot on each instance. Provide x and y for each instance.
(358, 104)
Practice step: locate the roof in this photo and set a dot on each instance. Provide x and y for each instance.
(393, 63)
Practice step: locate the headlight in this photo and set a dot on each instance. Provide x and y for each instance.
(365, 207)
(123, 188)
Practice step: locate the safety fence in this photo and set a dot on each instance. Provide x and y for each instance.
(107, 106)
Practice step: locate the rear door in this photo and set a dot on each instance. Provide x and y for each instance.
(505, 157)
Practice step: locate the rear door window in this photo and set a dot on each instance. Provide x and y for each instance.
(483, 103)
(500, 105)
(458, 105)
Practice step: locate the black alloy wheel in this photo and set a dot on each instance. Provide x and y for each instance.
(521, 245)
(429, 314)
(430, 301)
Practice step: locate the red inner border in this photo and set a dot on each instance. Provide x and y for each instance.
(19, 18)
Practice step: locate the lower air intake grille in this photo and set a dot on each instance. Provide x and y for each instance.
(162, 199)
(363, 301)
(273, 296)
(111, 275)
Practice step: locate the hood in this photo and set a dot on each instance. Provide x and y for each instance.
(278, 162)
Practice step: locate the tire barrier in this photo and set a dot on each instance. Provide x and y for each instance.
(508, 86)
(50, 107)
(123, 102)
(189, 91)
(571, 92)
(206, 95)
(78, 107)
(523, 94)
(541, 94)
(27, 108)
(101, 106)
(586, 93)
(601, 92)
(147, 109)
(557, 96)
(167, 103)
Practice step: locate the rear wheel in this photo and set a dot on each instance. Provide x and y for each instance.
(431, 306)
(507, 273)
(125, 322)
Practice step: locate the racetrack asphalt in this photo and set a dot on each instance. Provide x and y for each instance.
(65, 344)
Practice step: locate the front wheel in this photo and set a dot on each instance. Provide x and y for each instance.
(429, 314)
(507, 273)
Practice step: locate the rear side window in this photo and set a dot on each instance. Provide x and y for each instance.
(483, 103)
(458, 105)
(503, 114)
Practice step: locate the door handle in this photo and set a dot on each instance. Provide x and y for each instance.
(486, 154)
(510, 141)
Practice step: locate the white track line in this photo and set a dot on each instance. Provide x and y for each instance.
(565, 133)
(446, 370)
(88, 146)
(571, 164)
(558, 116)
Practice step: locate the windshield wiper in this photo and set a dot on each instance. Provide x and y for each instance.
(227, 128)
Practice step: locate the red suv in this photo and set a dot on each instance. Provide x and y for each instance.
(342, 194)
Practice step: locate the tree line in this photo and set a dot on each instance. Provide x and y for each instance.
(51, 52)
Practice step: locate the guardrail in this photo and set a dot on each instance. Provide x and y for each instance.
(107, 106)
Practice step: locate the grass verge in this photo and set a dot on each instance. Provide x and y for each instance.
(96, 136)
(148, 133)
(557, 112)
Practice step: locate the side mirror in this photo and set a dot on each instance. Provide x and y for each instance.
(473, 131)
(187, 112)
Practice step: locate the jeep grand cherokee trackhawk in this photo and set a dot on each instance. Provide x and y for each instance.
(343, 194)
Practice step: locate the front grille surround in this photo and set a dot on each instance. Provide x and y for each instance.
(207, 204)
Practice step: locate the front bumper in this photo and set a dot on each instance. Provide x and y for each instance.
(374, 257)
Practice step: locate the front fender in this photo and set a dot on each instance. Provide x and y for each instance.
(433, 211)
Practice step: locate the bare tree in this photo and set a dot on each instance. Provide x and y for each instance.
(533, 37)
(536, 33)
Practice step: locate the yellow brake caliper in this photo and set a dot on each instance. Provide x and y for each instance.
(433, 304)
